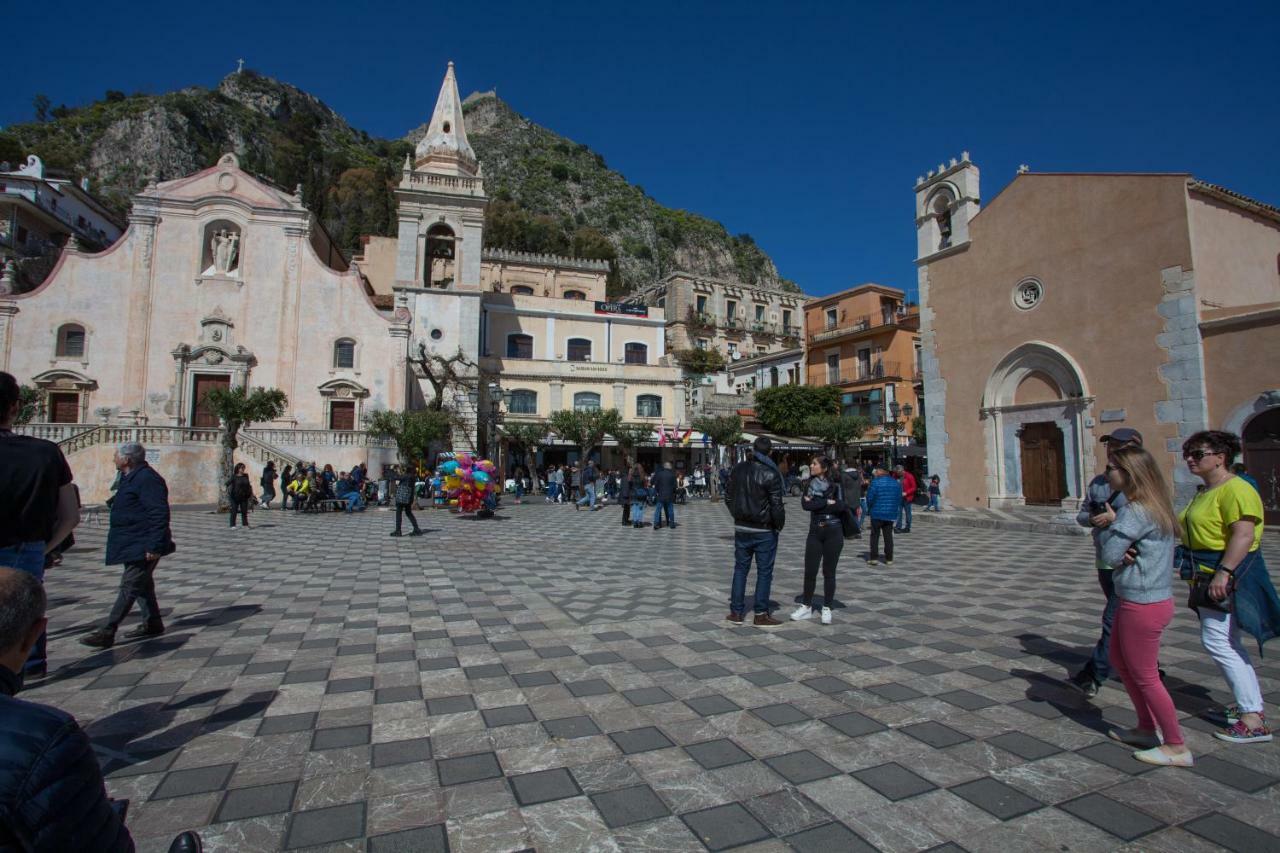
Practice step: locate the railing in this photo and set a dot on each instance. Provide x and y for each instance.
(864, 323)
(874, 372)
(277, 437)
(448, 181)
(263, 452)
(72, 438)
(57, 433)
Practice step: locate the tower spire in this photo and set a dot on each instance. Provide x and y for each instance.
(445, 148)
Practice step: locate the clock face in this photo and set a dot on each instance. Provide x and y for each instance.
(1027, 294)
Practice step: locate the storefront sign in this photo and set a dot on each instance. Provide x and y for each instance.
(621, 309)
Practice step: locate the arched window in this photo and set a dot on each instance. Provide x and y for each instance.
(637, 354)
(773, 377)
(344, 353)
(579, 349)
(586, 401)
(519, 346)
(648, 406)
(521, 290)
(523, 402)
(574, 294)
(440, 256)
(70, 341)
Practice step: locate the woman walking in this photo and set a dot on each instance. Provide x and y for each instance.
(1231, 590)
(268, 483)
(1138, 544)
(824, 501)
(239, 493)
(639, 487)
(286, 480)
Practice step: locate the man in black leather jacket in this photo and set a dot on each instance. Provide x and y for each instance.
(754, 498)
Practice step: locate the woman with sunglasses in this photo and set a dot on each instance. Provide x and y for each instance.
(1137, 543)
(1223, 527)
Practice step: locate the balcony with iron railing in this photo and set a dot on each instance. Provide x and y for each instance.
(877, 371)
(867, 323)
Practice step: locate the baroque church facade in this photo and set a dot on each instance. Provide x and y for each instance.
(222, 279)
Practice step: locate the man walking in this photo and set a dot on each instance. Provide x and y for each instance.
(754, 498)
(884, 502)
(38, 504)
(908, 481)
(588, 486)
(664, 494)
(138, 537)
(1093, 515)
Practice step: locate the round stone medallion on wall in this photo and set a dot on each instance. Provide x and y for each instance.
(226, 182)
(1027, 294)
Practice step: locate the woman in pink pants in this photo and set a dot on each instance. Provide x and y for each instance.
(1138, 542)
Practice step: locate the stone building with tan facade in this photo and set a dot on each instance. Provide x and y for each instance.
(1073, 304)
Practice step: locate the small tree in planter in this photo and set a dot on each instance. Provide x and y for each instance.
(413, 432)
(629, 437)
(585, 428)
(723, 430)
(838, 431)
(526, 437)
(700, 361)
(237, 408)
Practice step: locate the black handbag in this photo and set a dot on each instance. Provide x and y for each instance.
(1187, 561)
(848, 522)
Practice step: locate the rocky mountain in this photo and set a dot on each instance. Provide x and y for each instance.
(549, 193)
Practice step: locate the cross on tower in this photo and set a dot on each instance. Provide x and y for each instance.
(239, 65)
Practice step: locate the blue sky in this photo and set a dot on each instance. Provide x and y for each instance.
(802, 124)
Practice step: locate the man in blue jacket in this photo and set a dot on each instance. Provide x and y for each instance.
(139, 536)
(884, 502)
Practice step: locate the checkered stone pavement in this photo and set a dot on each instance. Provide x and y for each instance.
(552, 680)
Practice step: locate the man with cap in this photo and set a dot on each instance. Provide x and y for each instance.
(1093, 515)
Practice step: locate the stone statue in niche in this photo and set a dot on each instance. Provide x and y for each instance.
(224, 247)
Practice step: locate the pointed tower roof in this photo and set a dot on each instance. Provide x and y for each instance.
(445, 148)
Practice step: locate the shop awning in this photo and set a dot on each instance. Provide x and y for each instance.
(782, 442)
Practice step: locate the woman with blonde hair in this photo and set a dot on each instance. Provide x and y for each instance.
(1138, 543)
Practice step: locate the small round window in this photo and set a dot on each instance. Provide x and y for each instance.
(1027, 294)
(436, 334)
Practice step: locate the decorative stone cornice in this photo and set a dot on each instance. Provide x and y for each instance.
(538, 259)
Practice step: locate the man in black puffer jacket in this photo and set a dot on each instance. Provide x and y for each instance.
(754, 498)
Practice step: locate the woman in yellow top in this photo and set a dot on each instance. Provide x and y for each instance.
(1223, 526)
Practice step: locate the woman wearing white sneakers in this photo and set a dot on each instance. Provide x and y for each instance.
(825, 504)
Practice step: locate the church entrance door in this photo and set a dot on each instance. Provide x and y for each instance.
(201, 384)
(1044, 480)
(1262, 458)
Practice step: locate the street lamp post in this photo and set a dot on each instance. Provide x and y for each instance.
(487, 422)
(896, 411)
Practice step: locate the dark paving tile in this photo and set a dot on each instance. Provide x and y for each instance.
(765, 678)
(854, 724)
(450, 705)
(966, 699)
(704, 671)
(717, 753)
(285, 723)
(424, 839)
(340, 737)
(590, 687)
(1116, 757)
(612, 636)
(1232, 775)
(654, 665)
(350, 685)
(935, 734)
(893, 781)
(710, 705)
(487, 670)
(390, 753)
(394, 656)
(435, 664)
(154, 691)
(780, 714)
(1024, 746)
(544, 786)
(755, 650)
(571, 727)
(987, 673)
(895, 692)
(1232, 834)
(509, 645)
(705, 646)
(640, 740)
(325, 826)
(229, 660)
(629, 805)
(809, 656)
(265, 667)
(257, 801)
(468, 768)
(800, 767)
(305, 676)
(554, 652)
(511, 715)
(655, 642)
(828, 838)
(198, 780)
(535, 679)
(471, 640)
(1116, 818)
(996, 798)
(896, 643)
(648, 696)
(602, 658)
(404, 693)
(925, 667)
(1038, 707)
(723, 827)
(827, 684)
(866, 661)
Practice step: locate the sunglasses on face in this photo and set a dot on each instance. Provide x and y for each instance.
(1197, 455)
(1111, 468)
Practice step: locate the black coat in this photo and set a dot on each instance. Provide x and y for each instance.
(755, 495)
(52, 797)
(818, 507)
(139, 517)
(664, 484)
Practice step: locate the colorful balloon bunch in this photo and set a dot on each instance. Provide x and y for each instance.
(468, 480)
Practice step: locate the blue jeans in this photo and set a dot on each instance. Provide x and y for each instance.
(904, 515)
(590, 496)
(933, 502)
(637, 512)
(355, 501)
(667, 507)
(1099, 666)
(28, 557)
(764, 547)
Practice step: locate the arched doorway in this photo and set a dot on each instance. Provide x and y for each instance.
(1262, 458)
(1037, 445)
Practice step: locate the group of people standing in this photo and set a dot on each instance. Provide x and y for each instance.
(1215, 544)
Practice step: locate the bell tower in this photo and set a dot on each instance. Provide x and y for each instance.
(946, 200)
